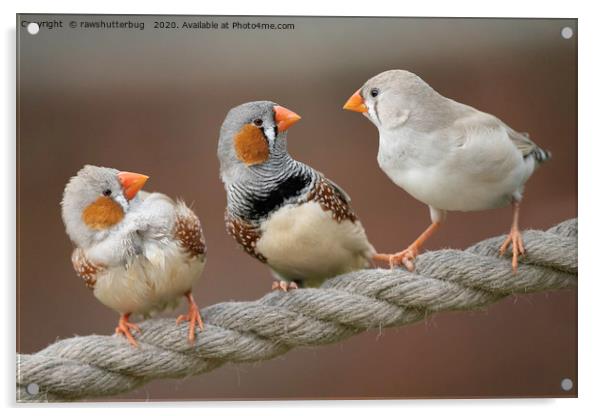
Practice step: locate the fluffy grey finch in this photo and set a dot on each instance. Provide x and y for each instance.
(281, 211)
(446, 154)
(139, 252)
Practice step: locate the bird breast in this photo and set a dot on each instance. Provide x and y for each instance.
(467, 173)
(305, 242)
(151, 281)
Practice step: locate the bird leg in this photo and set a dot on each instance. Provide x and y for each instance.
(193, 317)
(514, 237)
(284, 286)
(407, 256)
(124, 326)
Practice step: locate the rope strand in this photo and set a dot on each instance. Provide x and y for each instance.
(240, 332)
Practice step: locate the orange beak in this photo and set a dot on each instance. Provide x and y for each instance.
(356, 103)
(285, 117)
(131, 183)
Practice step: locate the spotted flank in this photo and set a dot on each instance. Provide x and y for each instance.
(245, 234)
(188, 232)
(85, 268)
(332, 199)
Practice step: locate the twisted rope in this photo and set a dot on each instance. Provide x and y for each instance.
(241, 332)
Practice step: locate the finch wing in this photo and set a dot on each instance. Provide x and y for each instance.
(85, 268)
(332, 198)
(188, 232)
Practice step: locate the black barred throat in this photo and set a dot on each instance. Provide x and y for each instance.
(260, 205)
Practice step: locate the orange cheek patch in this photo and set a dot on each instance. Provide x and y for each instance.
(251, 146)
(102, 213)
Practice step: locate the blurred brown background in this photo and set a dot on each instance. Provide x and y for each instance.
(152, 101)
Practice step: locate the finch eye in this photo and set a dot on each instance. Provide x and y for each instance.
(258, 122)
(374, 92)
(107, 192)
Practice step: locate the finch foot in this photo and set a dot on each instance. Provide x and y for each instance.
(406, 257)
(518, 247)
(124, 326)
(284, 286)
(193, 317)
(403, 258)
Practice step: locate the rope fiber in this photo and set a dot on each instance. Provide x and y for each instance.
(242, 332)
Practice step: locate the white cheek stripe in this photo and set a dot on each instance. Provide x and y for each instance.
(120, 199)
(269, 133)
(371, 113)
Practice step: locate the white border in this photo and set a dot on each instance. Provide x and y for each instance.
(590, 184)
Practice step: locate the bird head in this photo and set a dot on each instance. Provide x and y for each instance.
(97, 199)
(390, 98)
(253, 136)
